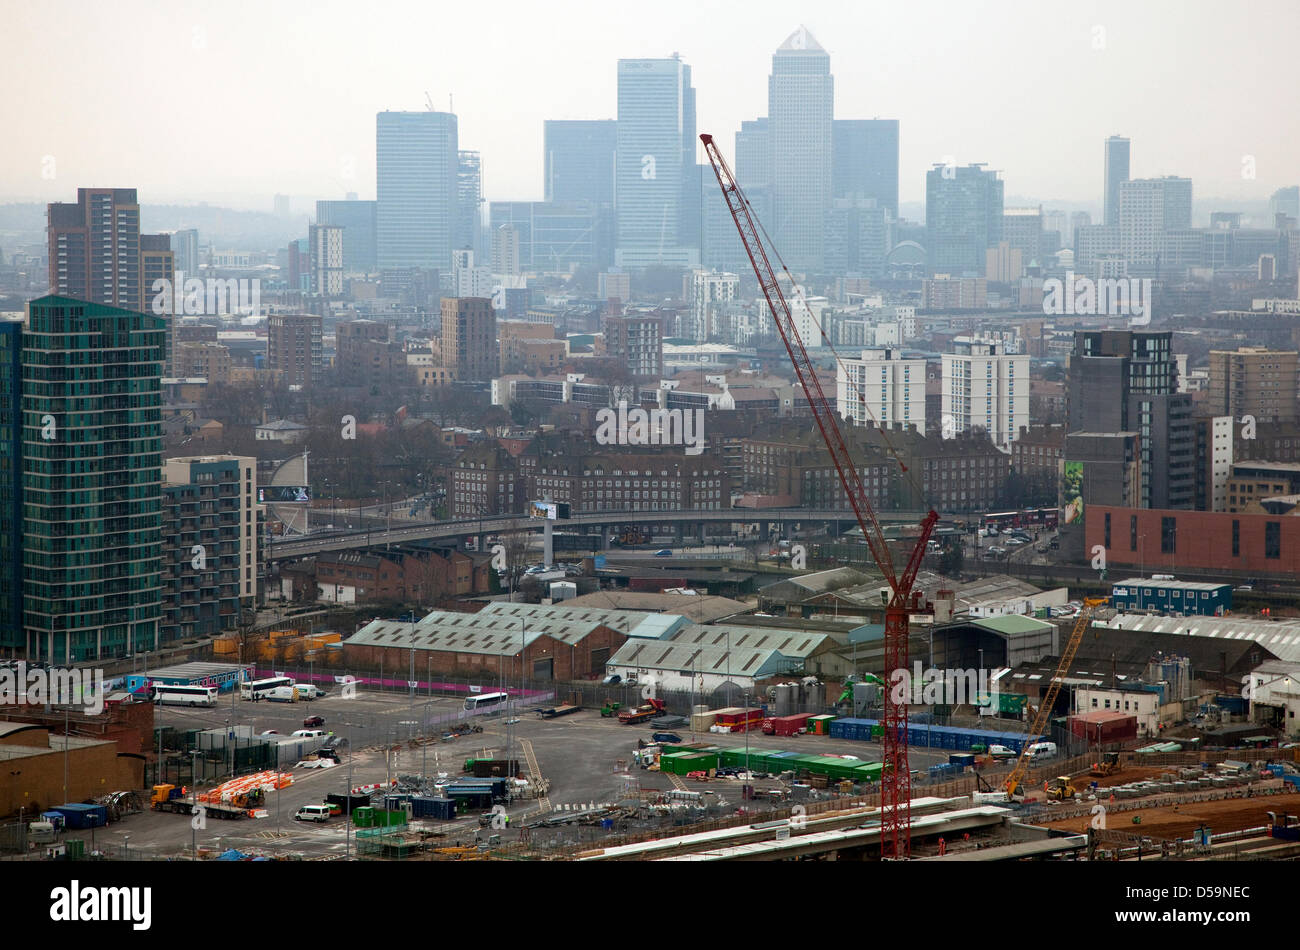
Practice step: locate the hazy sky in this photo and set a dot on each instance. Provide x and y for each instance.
(231, 102)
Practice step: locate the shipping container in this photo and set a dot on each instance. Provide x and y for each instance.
(437, 809)
(79, 816)
(1103, 726)
(785, 725)
(701, 721)
(820, 725)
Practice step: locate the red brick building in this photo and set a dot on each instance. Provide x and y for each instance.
(1172, 539)
(355, 577)
(489, 646)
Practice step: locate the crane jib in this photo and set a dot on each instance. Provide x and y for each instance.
(895, 837)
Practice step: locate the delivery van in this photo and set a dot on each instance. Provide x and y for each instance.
(312, 813)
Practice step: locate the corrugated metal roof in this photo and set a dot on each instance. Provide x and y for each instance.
(1013, 625)
(684, 657)
(1280, 637)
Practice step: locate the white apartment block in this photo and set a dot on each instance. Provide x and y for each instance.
(1220, 451)
(883, 389)
(469, 280)
(326, 243)
(709, 292)
(1148, 207)
(985, 387)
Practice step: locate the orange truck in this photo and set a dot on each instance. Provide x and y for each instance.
(654, 707)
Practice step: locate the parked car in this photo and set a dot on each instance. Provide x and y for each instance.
(308, 734)
(663, 552)
(311, 721)
(1013, 542)
(612, 680)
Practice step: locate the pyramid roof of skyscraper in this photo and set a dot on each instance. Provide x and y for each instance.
(800, 39)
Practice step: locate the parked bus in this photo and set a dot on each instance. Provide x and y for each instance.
(1047, 517)
(184, 695)
(1000, 520)
(258, 689)
(486, 701)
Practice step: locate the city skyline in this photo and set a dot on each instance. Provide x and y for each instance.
(1074, 101)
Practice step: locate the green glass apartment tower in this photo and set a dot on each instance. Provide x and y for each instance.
(963, 218)
(11, 473)
(92, 480)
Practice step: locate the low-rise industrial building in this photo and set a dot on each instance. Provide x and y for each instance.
(39, 768)
(1170, 596)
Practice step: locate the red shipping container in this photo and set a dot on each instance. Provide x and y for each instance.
(740, 720)
(1104, 726)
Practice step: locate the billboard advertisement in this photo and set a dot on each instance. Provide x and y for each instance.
(548, 510)
(285, 494)
(1072, 493)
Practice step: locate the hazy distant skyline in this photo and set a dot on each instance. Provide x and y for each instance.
(234, 102)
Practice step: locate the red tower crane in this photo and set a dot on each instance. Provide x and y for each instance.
(896, 777)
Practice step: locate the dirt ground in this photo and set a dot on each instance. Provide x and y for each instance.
(1181, 821)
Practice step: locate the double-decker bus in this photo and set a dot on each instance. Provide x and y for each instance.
(1000, 520)
(257, 689)
(165, 695)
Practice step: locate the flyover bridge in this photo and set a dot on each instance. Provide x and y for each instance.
(768, 520)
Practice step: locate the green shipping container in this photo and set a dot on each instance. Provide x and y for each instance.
(870, 772)
(701, 762)
(820, 725)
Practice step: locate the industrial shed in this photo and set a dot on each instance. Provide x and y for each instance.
(703, 669)
(458, 644)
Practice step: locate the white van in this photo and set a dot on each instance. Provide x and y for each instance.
(308, 691)
(309, 734)
(282, 694)
(312, 813)
(1042, 750)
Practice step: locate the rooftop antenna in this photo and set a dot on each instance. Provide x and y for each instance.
(428, 101)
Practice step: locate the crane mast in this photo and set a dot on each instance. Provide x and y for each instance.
(896, 777)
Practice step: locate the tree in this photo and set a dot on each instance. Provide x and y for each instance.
(952, 557)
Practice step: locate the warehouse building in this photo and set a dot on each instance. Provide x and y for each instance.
(39, 768)
(702, 669)
(488, 643)
(1220, 646)
(1169, 596)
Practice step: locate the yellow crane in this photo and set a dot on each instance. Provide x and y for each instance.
(1039, 728)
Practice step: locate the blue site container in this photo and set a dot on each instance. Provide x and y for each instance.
(83, 816)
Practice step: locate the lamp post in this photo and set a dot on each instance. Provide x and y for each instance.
(347, 828)
(194, 798)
